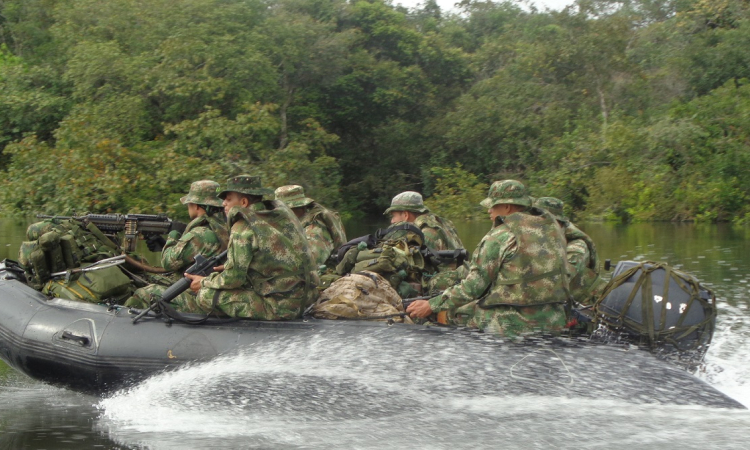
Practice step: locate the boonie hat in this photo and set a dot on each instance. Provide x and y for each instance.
(407, 201)
(202, 192)
(553, 205)
(293, 195)
(509, 192)
(245, 184)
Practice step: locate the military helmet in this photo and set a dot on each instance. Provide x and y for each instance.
(553, 205)
(202, 192)
(407, 201)
(510, 192)
(245, 184)
(293, 195)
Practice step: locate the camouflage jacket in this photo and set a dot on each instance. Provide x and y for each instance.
(439, 233)
(324, 232)
(520, 261)
(268, 261)
(584, 262)
(205, 235)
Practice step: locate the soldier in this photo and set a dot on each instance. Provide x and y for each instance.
(439, 233)
(269, 274)
(585, 282)
(205, 235)
(323, 227)
(517, 281)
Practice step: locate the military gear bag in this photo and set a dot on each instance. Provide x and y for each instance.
(362, 296)
(54, 245)
(108, 284)
(658, 304)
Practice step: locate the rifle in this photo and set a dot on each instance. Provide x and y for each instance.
(202, 266)
(145, 225)
(439, 257)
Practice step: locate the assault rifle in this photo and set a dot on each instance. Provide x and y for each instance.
(146, 225)
(203, 267)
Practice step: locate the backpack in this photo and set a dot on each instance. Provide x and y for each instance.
(108, 284)
(361, 296)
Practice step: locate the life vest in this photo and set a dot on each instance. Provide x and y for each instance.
(267, 270)
(536, 274)
(330, 219)
(445, 229)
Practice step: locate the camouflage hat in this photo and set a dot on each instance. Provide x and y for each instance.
(202, 192)
(553, 205)
(293, 196)
(245, 184)
(407, 201)
(509, 192)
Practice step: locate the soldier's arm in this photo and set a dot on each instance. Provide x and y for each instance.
(578, 255)
(486, 261)
(239, 256)
(320, 240)
(179, 251)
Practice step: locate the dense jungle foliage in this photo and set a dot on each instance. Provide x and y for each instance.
(628, 110)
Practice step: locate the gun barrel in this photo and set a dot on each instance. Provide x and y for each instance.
(203, 268)
(176, 289)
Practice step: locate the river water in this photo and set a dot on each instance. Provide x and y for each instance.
(322, 392)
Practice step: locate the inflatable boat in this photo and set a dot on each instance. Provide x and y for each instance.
(99, 349)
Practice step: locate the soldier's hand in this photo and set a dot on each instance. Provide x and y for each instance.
(219, 268)
(155, 243)
(177, 225)
(195, 282)
(419, 309)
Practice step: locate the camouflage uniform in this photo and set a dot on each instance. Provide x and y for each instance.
(585, 282)
(269, 273)
(439, 233)
(323, 227)
(205, 235)
(517, 281)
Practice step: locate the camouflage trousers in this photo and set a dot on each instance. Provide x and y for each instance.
(511, 321)
(246, 303)
(141, 298)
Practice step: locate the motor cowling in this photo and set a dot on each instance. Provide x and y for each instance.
(659, 305)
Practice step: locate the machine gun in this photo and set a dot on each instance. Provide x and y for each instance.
(203, 267)
(133, 225)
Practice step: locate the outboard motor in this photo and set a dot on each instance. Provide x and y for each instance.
(658, 305)
(11, 270)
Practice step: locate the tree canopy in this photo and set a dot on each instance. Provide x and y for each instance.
(627, 110)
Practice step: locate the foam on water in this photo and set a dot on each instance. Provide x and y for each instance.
(370, 392)
(726, 366)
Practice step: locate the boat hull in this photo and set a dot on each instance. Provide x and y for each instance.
(95, 349)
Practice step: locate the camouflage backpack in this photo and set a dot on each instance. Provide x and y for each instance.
(363, 296)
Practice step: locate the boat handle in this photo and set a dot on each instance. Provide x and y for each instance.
(83, 340)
